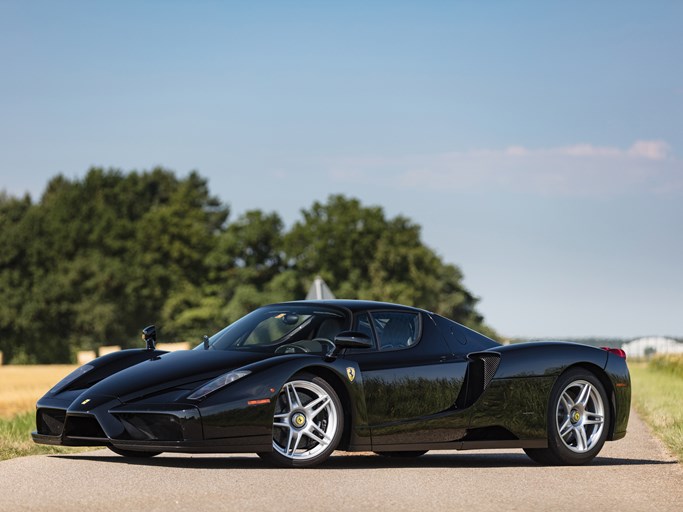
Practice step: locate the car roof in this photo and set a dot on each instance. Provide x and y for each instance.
(355, 305)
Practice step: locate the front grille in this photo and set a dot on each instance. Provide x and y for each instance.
(161, 427)
(50, 422)
(83, 426)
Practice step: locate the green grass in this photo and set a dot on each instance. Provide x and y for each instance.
(15, 438)
(658, 398)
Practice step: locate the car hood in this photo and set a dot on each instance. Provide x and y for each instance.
(171, 370)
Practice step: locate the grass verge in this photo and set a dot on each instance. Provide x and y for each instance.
(657, 392)
(21, 387)
(15, 438)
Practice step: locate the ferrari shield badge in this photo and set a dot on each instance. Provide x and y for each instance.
(351, 373)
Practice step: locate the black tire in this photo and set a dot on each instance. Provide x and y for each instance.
(132, 453)
(579, 418)
(403, 455)
(308, 423)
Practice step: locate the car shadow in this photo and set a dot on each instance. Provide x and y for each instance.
(353, 461)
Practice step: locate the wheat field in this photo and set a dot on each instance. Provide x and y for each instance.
(22, 385)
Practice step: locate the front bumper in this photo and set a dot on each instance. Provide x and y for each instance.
(104, 421)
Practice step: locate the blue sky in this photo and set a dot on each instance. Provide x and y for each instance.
(539, 144)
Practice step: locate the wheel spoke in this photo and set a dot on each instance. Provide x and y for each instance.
(567, 401)
(584, 395)
(320, 402)
(294, 437)
(289, 440)
(320, 431)
(581, 441)
(308, 432)
(566, 428)
(280, 424)
(292, 397)
(597, 419)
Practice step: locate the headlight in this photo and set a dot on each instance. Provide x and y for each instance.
(218, 383)
(71, 377)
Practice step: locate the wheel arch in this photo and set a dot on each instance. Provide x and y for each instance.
(604, 379)
(337, 383)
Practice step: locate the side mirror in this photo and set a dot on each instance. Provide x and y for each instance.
(149, 334)
(352, 339)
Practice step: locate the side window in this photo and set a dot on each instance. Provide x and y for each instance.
(362, 324)
(396, 330)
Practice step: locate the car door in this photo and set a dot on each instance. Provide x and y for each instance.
(411, 380)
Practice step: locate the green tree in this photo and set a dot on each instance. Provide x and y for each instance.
(100, 257)
(363, 255)
(97, 258)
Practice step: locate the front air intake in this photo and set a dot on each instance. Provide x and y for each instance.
(50, 422)
(83, 427)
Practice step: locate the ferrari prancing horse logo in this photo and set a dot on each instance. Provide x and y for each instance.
(85, 401)
(351, 373)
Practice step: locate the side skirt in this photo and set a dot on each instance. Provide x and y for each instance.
(463, 445)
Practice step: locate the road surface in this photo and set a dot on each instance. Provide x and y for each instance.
(634, 474)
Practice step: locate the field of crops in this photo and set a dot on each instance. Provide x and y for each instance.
(23, 385)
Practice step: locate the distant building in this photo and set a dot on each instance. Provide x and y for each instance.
(643, 347)
(319, 290)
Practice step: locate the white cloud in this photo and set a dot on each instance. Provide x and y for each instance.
(652, 149)
(581, 169)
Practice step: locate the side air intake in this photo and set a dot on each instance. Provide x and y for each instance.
(480, 371)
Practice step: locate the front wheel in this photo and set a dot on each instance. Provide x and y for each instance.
(578, 420)
(307, 424)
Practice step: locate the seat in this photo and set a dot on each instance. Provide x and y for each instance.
(329, 328)
(397, 333)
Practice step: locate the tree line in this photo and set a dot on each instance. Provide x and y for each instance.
(97, 258)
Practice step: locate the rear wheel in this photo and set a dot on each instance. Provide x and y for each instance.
(132, 453)
(307, 424)
(578, 420)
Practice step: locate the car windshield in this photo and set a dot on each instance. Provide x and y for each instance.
(281, 328)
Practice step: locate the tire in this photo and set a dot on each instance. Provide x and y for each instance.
(578, 420)
(132, 453)
(403, 455)
(307, 425)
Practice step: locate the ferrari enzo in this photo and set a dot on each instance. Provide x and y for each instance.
(295, 381)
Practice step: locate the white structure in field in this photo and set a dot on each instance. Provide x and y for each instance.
(642, 347)
(319, 290)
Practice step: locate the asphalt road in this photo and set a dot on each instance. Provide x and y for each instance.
(633, 474)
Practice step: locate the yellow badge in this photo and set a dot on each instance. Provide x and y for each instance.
(351, 373)
(85, 401)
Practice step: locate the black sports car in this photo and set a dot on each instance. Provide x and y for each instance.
(295, 381)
